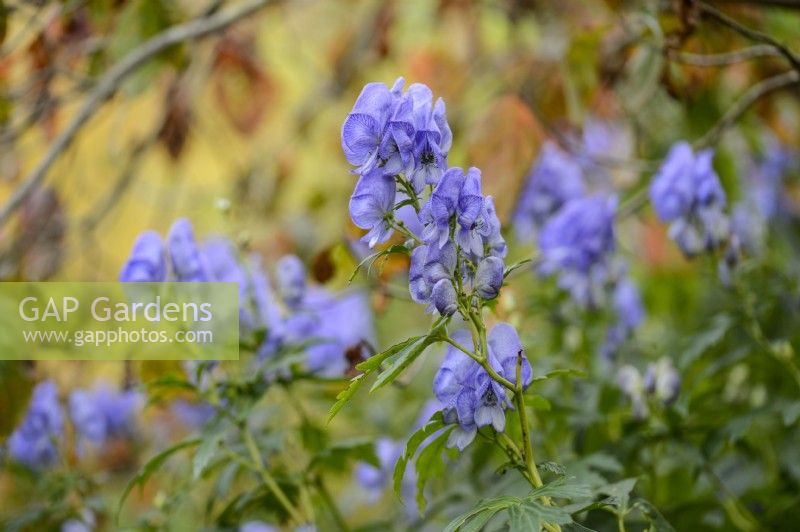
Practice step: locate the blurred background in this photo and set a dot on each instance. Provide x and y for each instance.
(239, 131)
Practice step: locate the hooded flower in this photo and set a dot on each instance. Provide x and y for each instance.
(103, 414)
(365, 126)
(576, 244)
(555, 179)
(489, 277)
(147, 262)
(662, 380)
(33, 443)
(470, 396)
(291, 278)
(188, 263)
(686, 192)
(371, 206)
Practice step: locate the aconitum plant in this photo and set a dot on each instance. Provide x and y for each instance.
(34, 442)
(687, 194)
(101, 415)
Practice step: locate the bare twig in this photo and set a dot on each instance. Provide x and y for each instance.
(741, 106)
(725, 58)
(750, 33)
(111, 81)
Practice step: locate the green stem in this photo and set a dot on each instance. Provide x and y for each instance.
(331, 504)
(400, 227)
(268, 480)
(483, 362)
(620, 522)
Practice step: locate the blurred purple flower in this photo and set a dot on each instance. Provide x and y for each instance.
(291, 278)
(576, 244)
(686, 192)
(33, 442)
(102, 414)
(147, 262)
(188, 263)
(555, 179)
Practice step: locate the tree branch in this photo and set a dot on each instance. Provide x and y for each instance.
(750, 33)
(110, 82)
(741, 106)
(725, 58)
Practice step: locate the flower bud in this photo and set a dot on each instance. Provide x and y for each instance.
(444, 297)
(489, 277)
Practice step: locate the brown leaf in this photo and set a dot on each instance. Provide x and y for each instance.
(40, 236)
(242, 88)
(177, 119)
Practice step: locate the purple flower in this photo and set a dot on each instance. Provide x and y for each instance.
(442, 206)
(193, 415)
(291, 278)
(489, 277)
(432, 137)
(343, 324)
(103, 414)
(147, 262)
(628, 304)
(429, 265)
(576, 243)
(469, 395)
(444, 297)
(371, 206)
(256, 526)
(764, 183)
(687, 193)
(493, 240)
(188, 263)
(375, 479)
(222, 262)
(555, 179)
(33, 442)
(364, 128)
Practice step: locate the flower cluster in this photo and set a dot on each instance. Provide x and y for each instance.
(687, 194)
(661, 381)
(575, 234)
(471, 398)
(33, 443)
(102, 414)
(295, 313)
(398, 132)
(555, 178)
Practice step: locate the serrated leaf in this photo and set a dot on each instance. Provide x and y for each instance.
(402, 360)
(205, 452)
(516, 266)
(619, 493)
(374, 362)
(434, 424)
(562, 488)
(345, 395)
(562, 372)
(491, 506)
(541, 513)
(430, 465)
(151, 467)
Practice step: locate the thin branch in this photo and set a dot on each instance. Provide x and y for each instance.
(111, 81)
(750, 33)
(741, 106)
(725, 58)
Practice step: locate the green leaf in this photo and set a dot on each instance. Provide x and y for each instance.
(657, 521)
(538, 402)
(435, 423)
(565, 372)
(619, 493)
(516, 266)
(562, 488)
(205, 452)
(345, 395)
(153, 465)
(487, 506)
(336, 456)
(374, 362)
(710, 337)
(402, 360)
(397, 248)
(430, 465)
(531, 515)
